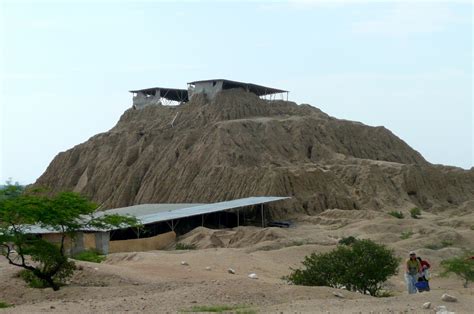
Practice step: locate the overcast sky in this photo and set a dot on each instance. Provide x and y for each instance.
(66, 67)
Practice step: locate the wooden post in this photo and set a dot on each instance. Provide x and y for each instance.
(238, 218)
(263, 221)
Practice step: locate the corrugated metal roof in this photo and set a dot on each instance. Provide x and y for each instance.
(38, 230)
(35, 229)
(146, 209)
(152, 213)
(207, 209)
(259, 90)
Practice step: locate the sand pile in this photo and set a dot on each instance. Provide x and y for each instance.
(238, 145)
(204, 238)
(240, 237)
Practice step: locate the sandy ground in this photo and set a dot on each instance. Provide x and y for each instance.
(157, 282)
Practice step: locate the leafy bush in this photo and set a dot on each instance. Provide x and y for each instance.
(347, 240)
(462, 266)
(90, 256)
(406, 235)
(184, 246)
(396, 214)
(364, 267)
(51, 261)
(415, 212)
(35, 282)
(59, 278)
(32, 280)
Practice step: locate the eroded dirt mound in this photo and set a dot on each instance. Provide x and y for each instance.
(238, 145)
(240, 237)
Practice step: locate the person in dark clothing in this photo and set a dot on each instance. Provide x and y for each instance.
(425, 276)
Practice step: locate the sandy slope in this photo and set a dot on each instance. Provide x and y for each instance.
(157, 282)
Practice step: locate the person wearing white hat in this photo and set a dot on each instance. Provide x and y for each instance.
(412, 271)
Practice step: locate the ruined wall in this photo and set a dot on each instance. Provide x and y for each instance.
(71, 246)
(140, 100)
(146, 244)
(210, 89)
(89, 241)
(80, 242)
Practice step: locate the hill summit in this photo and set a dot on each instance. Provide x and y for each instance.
(238, 145)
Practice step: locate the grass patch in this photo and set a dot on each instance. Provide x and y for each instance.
(415, 212)
(396, 214)
(439, 246)
(4, 305)
(298, 243)
(406, 235)
(221, 308)
(90, 256)
(32, 280)
(184, 246)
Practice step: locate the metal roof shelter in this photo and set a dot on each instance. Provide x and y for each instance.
(147, 209)
(153, 213)
(259, 90)
(174, 94)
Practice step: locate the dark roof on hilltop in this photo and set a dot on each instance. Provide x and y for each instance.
(259, 90)
(176, 94)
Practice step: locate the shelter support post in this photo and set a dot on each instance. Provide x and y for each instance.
(137, 232)
(238, 218)
(263, 220)
(172, 225)
(102, 240)
(77, 243)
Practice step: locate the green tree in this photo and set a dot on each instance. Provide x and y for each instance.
(363, 266)
(66, 213)
(10, 190)
(462, 266)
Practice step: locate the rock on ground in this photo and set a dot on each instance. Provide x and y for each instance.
(448, 298)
